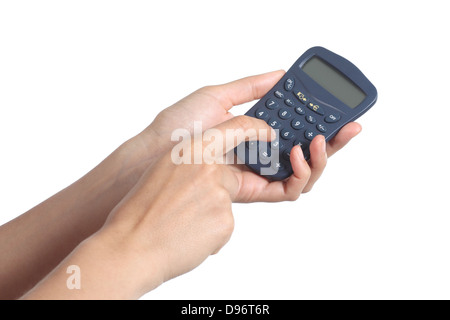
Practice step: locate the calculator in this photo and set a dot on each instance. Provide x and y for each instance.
(319, 94)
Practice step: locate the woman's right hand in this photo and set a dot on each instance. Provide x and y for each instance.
(178, 215)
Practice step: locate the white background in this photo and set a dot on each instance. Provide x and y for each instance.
(78, 78)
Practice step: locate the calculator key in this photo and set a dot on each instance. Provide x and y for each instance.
(272, 104)
(300, 110)
(279, 94)
(309, 134)
(332, 118)
(278, 166)
(297, 124)
(284, 114)
(274, 123)
(287, 155)
(289, 103)
(262, 114)
(289, 84)
(252, 145)
(303, 99)
(276, 145)
(287, 134)
(301, 143)
(321, 128)
(264, 156)
(311, 119)
(316, 108)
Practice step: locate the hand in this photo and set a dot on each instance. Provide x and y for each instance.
(257, 188)
(178, 215)
(172, 220)
(211, 105)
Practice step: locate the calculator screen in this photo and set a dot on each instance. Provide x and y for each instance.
(334, 82)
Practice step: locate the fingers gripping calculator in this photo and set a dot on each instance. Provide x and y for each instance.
(319, 94)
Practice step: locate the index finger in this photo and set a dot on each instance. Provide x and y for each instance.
(237, 130)
(245, 89)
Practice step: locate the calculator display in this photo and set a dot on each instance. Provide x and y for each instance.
(334, 82)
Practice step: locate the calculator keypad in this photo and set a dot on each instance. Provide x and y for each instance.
(298, 117)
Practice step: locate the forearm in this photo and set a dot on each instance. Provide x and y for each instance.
(35, 242)
(105, 266)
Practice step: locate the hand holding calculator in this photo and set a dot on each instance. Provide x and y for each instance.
(319, 94)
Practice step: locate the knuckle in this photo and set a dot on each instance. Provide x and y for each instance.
(205, 89)
(227, 224)
(210, 172)
(222, 195)
(209, 91)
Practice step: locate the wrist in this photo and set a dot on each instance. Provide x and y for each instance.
(135, 156)
(134, 269)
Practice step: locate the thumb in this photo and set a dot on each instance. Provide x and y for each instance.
(246, 89)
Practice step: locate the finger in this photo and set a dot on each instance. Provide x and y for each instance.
(246, 89)
(299, 179)
(233, 132)
(347, 132)
(288, 190)
(318, 160)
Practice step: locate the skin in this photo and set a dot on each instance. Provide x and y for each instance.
(141, 220)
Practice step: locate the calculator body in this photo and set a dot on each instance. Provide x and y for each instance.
(319, 94)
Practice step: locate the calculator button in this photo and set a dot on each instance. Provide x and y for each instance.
(276, 124)
(311, 119)
(287, 155)
(309, 134)
(252, 145)
(316, 108)
(301, 143)
(278, 166)
(264, 156)
(287, 134)
(279, 94)
(289, 103)
(321, 128)
(262, 114)
(300, 110)
(303, 99)
(297, 124)
(289, 84)
(272, 104)
(276, 145)
(284, 114)
(332, 118)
